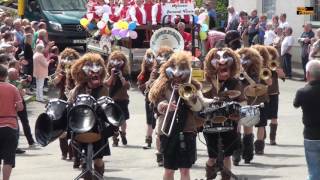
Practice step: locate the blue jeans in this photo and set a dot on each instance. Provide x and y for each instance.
(312, 151)
(287, 64)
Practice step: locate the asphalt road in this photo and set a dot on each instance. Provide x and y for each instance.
(284, 161)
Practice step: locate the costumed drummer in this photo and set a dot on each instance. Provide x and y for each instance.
(221, 67)
(118, 82)
(88, 73)
(179, 145)
(65, 83)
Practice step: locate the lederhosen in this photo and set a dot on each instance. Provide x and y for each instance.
(229, 139)
(179, 149)
(97, 93)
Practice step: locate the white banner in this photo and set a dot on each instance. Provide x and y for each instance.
(179, 8)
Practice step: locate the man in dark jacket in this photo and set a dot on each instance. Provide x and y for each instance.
(308, 98)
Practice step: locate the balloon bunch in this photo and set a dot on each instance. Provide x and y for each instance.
(123, 29)
(90, 23)
(204, 27)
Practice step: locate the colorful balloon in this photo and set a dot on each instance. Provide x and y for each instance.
(132, 26)
(203, 36)
(101, 25)
(123, 33)
(195, 19)
(91, 26)
(84, 22)
(133, 34)
(115, 32)
(204, 27)
(105, 17)
(107, 30)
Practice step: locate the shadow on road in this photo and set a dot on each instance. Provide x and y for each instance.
(116, 178)
(260, 165)
(290, 145)
(130, 147)
(249, 177)
(283, 155)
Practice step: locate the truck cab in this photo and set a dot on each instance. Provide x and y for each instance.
(62, 19)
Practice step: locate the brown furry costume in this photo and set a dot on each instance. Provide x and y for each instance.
(163, 51)
(79, 76)
(92, 84)
(264, 53)
(211, 71)
(254, 64)
(66, 83)
(146, 69)
(163, 83)
(221, 67)
(159, 95)
(117, 55)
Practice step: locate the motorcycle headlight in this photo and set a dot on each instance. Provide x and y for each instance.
(55, 26)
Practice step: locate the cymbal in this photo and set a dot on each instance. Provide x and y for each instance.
(230, 94)
(255, 90)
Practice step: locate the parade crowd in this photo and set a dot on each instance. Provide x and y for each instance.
(247, 45)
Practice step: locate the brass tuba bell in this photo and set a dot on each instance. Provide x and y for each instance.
(273, 65)
(265, 74)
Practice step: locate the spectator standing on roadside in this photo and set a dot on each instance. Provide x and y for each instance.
(40, 70)
(275, 22)
(253, 21)
(269, 35)
(233, 19)
(8, 25)
(308, 99)
(10, 103)
(286, 52)
(243, 28)
(305, 40)
(315, 47)
(283, 21)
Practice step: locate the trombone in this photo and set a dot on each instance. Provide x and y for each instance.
(186, 91)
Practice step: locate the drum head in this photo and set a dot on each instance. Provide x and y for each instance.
(82, 118)
(250, 116)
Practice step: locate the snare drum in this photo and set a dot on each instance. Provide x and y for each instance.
(83, 121)
(249, 116)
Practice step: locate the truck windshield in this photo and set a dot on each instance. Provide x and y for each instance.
(64, 5)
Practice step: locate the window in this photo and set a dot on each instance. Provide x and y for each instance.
(269, 8)
(316, 7)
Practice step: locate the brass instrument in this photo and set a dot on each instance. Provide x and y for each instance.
(254, 89)
(206, 87)
(273, 65)
(265, 74)
(186, 91)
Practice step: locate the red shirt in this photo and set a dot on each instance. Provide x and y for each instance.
(148, 9)
(187, 39)
(9, 96)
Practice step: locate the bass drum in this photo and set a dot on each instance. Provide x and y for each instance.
(83, 120)
(249, 116)
(52, 123)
